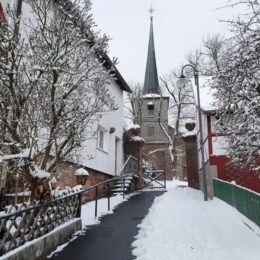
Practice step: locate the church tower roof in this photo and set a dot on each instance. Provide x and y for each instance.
(151, 82)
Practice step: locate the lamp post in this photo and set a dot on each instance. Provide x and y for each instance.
(196, 77)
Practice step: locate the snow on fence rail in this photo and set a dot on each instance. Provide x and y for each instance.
(34, 221)
(244, 200)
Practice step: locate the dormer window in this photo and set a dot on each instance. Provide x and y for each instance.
(150, 107)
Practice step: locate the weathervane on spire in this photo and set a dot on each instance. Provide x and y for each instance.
(151, 10)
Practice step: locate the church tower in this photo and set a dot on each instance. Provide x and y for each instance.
(151, 82)
(155, 106)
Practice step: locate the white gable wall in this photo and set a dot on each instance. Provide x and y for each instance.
(104, 160)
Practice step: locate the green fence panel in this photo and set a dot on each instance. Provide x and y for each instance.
(240, 199)
(245, 201)
(223, 191)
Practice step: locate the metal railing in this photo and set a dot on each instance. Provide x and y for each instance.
(129, 169)
(109, 184)
(34, 221)
(28, 222)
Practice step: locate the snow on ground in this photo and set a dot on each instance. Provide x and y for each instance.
(88, 209)
(180, 225)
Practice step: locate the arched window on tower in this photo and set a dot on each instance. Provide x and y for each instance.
(150, 107)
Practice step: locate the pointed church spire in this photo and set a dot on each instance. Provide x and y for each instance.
(151, 82)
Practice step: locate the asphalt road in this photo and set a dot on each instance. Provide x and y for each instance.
(112, 238)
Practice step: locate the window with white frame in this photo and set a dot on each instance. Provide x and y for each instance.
(101, 138)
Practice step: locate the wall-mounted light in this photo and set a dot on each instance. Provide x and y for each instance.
(112, 130)
(82, 176)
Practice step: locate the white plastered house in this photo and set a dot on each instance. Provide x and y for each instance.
(104, 151)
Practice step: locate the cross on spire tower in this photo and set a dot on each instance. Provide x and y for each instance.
(151, 10)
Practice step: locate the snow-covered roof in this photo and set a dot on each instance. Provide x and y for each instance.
(81, 172)
(137, 138)
(75, 10)
(131, 126)
(136, 126)
(206, 94)
(151, 96)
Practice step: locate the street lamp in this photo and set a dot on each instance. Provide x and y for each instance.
(82, 176)
(196, 77)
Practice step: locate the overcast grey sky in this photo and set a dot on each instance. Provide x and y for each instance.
(179, 26)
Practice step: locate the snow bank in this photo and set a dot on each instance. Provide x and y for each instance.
(88, 209)
(180, 225)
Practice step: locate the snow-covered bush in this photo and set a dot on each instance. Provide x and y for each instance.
(237, 86)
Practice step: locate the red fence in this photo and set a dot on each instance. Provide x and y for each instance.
(230, 173)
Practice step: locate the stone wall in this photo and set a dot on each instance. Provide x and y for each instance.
(67, 178)
(134, 148)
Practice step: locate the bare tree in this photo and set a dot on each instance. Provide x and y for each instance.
(134, 102)
(181, 107)
(195, 58)
(14, 93)
(209, 58)
(53, 86)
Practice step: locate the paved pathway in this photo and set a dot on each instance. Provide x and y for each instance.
(112, 238)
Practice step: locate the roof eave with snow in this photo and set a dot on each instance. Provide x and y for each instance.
(71, 8)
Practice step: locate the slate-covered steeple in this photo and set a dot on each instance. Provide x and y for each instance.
(151, 82)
